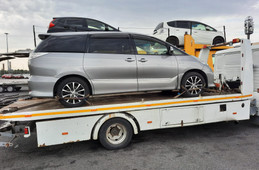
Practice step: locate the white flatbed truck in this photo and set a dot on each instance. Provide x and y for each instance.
(113, 120)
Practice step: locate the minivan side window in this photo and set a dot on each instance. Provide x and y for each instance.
(75, 43)
(150, 47)
(110, 45)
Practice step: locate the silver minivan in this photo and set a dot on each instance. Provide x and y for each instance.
(75, 65)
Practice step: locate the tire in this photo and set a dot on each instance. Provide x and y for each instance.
(74, 88)
(193, 83)
(173, 40)
(115, 133)
(1, 89)
(10, 88)
(218, 40)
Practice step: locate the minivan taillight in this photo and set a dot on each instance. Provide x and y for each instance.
(51, 24)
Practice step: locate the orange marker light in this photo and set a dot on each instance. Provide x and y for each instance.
(234, 113)
(149, 122)
(65, 133)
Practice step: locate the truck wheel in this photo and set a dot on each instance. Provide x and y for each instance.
(1, 89)
(10, 88)
(72, 92)
(115, 133)
(193, 83)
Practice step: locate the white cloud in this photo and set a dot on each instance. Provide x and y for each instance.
(256, 5)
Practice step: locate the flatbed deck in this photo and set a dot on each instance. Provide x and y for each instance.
(37, 104)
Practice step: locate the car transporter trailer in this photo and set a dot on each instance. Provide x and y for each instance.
(114, 122)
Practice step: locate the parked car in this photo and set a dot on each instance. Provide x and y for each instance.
(73, 24)
(174, 31)
(75, 65)
(7, 76)
(18, 76)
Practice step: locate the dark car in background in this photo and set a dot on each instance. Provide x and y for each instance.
(74, 24)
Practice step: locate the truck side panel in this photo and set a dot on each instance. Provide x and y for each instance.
(65, 130)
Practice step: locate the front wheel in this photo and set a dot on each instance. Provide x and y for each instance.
(193, 84)
(115, 133)
(72, 92)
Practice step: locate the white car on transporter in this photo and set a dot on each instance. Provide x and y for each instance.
(173, 32)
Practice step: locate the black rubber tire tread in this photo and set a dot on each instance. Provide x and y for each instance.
(218, 40)
(173, 40)
(102, 134)
(185, 78)
(72, 79)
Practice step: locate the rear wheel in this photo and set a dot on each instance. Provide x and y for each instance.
(218, 40)
(173, 40)
(193, 83)
(72, 92)
(115, 133)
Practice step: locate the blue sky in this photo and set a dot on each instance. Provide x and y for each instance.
(18, 16)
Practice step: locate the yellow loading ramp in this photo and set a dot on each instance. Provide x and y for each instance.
(194, 49)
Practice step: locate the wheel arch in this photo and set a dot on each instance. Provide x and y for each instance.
(171, 37)
(197, 71)
(68, 76)
(103, 119)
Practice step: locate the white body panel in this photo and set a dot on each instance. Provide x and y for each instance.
(229, 64)
(200, 36)
(80, 129)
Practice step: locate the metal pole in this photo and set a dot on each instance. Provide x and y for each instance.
(6, 34)
(224, 31)
(8, 62)
(35, 44)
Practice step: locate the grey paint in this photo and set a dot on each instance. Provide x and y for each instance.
(112, 73)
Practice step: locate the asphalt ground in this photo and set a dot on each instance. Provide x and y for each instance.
(224, 145)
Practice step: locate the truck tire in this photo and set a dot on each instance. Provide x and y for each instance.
(10, 88)
(193, 83)
(115, 133)
(73, 87)
(1, 89)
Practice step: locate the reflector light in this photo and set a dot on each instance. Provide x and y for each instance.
(65, 133)
(205, 46)
(234, 113)
(26, 131)
(51, 24)
(149, 122)
(236, 40)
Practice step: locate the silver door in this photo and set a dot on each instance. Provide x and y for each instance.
(110, 65)
(156, 69)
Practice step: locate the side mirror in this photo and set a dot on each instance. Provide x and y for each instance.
(171, 50)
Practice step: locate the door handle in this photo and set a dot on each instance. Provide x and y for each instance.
(129, 60)
(142, 60)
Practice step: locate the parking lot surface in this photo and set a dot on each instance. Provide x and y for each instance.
(213, 146)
